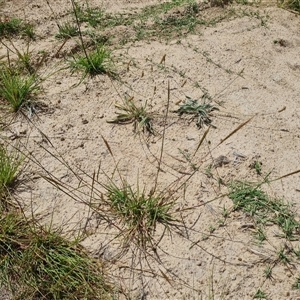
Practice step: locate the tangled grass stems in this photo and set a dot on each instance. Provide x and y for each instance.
(39, 264)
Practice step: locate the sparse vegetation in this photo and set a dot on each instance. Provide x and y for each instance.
(252, 200)
(141, 238)
(13, 27)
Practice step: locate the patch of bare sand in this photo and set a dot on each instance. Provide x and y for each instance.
(252, 70)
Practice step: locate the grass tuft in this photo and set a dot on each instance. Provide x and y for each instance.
(67, 30)
(140, 213)
(9, 170)
(12, 27)
(95, 63)
(129, 112)
(39, 264)
(92, 16)
(290, 4)
(17, 91)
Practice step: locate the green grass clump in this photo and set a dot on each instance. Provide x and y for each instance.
(252, 200)
(290, 4)
(9, 171)
(140, 213)
(17, 91)
(200, 112)
(67, 30)
(95, 63)
(129, 112)
(91, 15)
(11, 27)
(39, 264)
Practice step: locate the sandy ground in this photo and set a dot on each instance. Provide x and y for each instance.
(247, 74)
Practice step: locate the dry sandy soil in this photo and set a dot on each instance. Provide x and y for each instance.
(249, 64)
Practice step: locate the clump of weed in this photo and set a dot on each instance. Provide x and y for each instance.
(139, 212)
(92, 16)
(67, 30)
(12, 27)
(129, 112)
(201, 112)
(252, 200)
(94, 63)
(39, 264)
(17, 91)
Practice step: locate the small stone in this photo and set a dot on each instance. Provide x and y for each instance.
(85, 121)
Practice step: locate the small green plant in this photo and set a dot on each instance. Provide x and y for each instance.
(282, 256)
(211, 229)
(260, 234)
(129, 112)
(257, 167)
(268, 272)
(208, 171)
(296, 285)
(39, 264)
(140, 213)
(17, 91)
(202, 112)
(297, 252)
(260, 295)
(11, 27)
(95, 63)
(67, 30)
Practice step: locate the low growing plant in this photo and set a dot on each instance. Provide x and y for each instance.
(129, 112)
(200, 112)
(11, 27)
(67, 30)
(252, 200)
